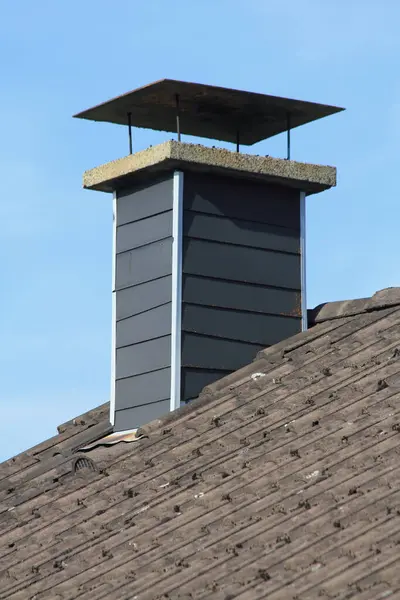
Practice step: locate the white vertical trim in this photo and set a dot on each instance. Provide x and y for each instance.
(177, 221)
(113, 310)
(304, 321)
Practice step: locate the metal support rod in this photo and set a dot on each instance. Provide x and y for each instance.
(237, 142)
(288, 136)
(178, 124)
(130, 131)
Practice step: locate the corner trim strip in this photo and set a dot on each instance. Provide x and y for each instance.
(113, 310)
(304, 323)
(176, 321)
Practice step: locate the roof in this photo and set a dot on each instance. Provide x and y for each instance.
(208, 111)
(279, 482)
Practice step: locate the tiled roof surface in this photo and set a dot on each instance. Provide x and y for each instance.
(281, 481)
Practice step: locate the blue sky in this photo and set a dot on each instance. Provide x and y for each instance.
(58, 58)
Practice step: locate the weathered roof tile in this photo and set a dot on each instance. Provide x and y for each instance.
(280, 481)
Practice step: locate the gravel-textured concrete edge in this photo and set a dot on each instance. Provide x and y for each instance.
(311, 178)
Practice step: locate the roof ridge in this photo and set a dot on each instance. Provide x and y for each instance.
(327, 311)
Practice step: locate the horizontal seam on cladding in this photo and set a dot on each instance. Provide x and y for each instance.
(162, 239)
(194, 369)
(157, 337)
(156, 214)
(241, 281)
(208, 370)
(224, 243)
(196, 333)
(142, 312)
(259, 344)
(209, 241)
(217, 337)
(244, 310)
(141, 405)
(240, 219)
(210, 214)
(134, 285)
(252, 284)
(145, 373)
(220, 307)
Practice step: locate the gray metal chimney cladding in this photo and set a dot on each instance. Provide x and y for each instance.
(207, 273)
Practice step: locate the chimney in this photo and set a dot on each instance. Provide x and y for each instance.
(208, 244)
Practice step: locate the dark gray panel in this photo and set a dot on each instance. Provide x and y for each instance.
(143, 389)
(131, 418)
(144, 264)
(194, 380)
(242, 199)
(241, 264)
(143, 232)
(144, 357)
(241, 296)
(151, 324)
(136, 204)
(139, 298)
(244, 326)
(239, 232)
(215, 353)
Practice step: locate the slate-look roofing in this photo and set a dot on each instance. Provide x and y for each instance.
(280, 482)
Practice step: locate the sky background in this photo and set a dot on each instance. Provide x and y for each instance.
(60, 57)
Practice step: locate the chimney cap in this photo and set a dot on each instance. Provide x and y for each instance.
(207, 111)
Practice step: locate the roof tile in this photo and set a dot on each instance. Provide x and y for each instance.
(280, 481)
